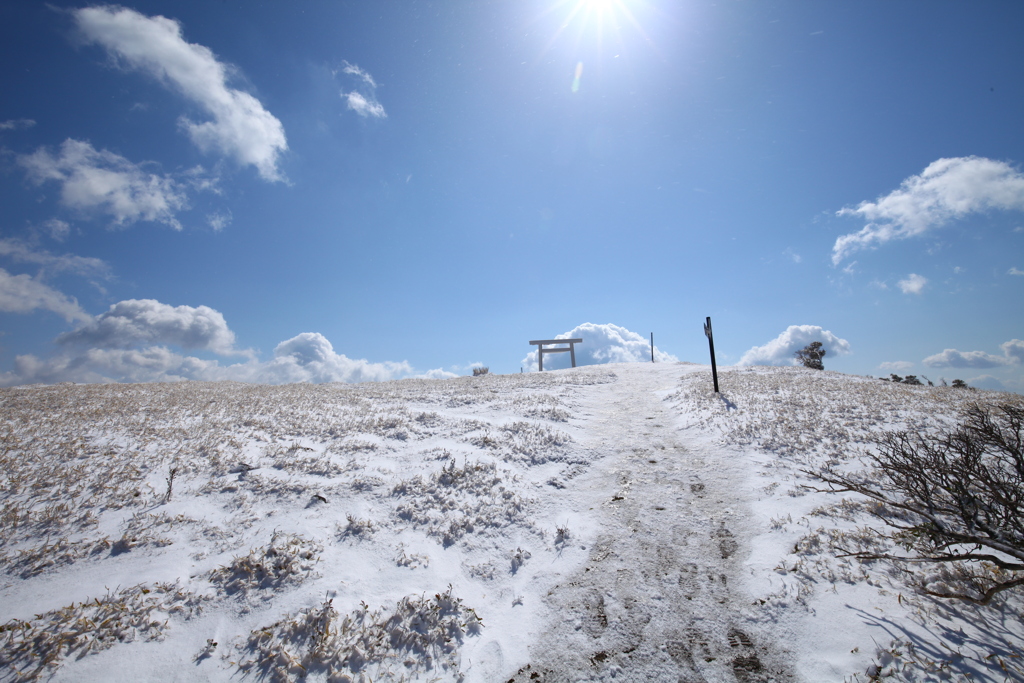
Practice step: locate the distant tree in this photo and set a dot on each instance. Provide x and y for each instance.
(912, 379)
(810, 356)
(895, 378)
(480, 371)
(960, 384)
(953, 500)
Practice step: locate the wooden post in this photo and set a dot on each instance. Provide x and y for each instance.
(572, 354)
(711, 343)
(652, 347)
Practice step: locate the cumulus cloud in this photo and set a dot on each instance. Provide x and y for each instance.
(363, 100)
(601, 344)
(1014, 350)
(147, 321)
(896, 365)
(134, 342)
(914, 284)
(151, 364)
(781, 350)
(1013, 354)
(307, 357)
(437, 373)
(946, 190)
(100, 181)
(239, 127)
(23, 294)
(310, 357)
(1015, 271)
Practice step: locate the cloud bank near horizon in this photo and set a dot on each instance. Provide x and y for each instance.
(605, 343)
(782, 349)
(135, 341)
(946, 190)
(1013, 354)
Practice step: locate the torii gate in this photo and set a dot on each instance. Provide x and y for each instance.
(541, 343)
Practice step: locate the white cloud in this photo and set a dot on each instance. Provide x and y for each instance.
(130, 343)
(240, 127)
(57, 229)
(23, 294)
(947, 189)
(21, 252)
(219, 220)
(601, 344)
(354, 70)
(914, 284)
(986, 382)
(896, 365)
(358, 103)
(1013, 350)
(951, 358)
(781, 350)
(437, 373)
(310, 357)
(1015, 271)
(147, 321)
(93, 180)
(363, 101)
(16, 124)
(151, 364)
(1013, 354)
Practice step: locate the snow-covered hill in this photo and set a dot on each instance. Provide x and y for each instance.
(614, 522)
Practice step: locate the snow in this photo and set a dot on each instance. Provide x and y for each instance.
(610, 522)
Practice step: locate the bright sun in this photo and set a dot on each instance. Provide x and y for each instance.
(602, 20)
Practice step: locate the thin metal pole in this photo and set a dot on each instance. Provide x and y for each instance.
(652, 347)
(711, 343)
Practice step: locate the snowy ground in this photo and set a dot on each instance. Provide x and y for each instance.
(615, 522)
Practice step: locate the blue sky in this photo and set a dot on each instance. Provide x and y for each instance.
(347, 190)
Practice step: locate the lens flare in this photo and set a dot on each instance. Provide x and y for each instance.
(576, 80)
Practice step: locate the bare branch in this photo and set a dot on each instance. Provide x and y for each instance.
(949, 496)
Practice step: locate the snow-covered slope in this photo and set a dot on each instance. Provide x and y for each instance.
(615, 522)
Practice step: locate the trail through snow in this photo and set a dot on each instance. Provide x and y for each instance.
(617, 522)
(656, 599)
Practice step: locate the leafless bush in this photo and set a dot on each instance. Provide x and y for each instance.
(955, 501)
(479, 371)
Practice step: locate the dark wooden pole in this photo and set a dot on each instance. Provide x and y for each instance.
(711, 343)
(652, 347)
